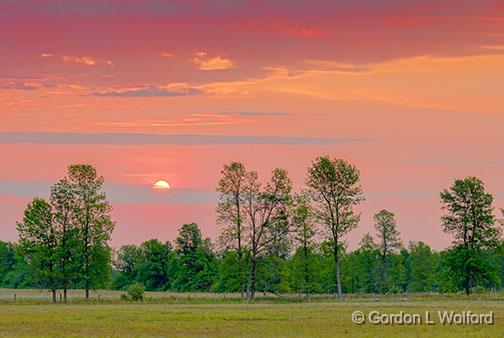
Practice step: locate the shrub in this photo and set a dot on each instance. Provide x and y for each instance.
(136, 291)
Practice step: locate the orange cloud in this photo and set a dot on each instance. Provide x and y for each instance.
(85, 60)
(205, 62)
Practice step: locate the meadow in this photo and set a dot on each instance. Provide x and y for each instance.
(206, 314)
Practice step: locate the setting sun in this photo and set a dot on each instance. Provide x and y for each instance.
(161, 184)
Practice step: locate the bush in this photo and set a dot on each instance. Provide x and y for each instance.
(136, 291)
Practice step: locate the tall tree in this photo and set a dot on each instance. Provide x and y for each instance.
(63, 205)
(304, 231)
(153, 263)
(196, 270)
(264, 209)
(334, 187)
(386, 227)
(230, 212)
(93, 222)
(39, 241)
(469, 218)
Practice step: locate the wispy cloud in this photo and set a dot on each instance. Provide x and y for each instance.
(85, 60)
(251, 113)
(204, 62)
(150, 91)
(28, 84)
(80, 59)
(118, 193)
(149, 139)
(494, 47)
(193, 120)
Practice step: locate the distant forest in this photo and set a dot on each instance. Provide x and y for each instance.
(272, 240)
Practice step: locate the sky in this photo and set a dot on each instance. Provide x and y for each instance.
(411, 92)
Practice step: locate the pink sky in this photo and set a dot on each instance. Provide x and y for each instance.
(410, 91)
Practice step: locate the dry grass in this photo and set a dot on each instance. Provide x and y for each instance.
(205, 315)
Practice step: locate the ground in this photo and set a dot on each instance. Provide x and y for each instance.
(172, 314)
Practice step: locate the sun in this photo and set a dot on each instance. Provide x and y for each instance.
(161, 184)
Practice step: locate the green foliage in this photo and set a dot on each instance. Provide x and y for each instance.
(469, 218)
(38, 242)
(334, 188)
(196, 263)
(269, 236)
(136, 291)
(153, 261)
(423, 262)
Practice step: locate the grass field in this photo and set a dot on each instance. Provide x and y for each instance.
(171, 314)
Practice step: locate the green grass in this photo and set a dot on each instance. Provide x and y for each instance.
(171, 314)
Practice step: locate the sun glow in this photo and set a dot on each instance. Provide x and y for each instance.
(161, 184)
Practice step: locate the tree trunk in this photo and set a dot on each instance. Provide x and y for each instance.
(467, 282)
(53, 295)
(65, 294)
(338, 279)
(306, 270)
(252, 277)
(337, 265)
(87, 292)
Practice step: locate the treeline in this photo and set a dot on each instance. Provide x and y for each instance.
(272, 240)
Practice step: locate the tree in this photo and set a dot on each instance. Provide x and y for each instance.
(469, 218)
(38, 240)
(422, 264)
(390, 243)
(364, 263)
(91, 217)
(334, 188)
(126, 264)
(63, 205)
(265, 210)
(230, 212)
(197, 270)
(153, 261)
(304, 232)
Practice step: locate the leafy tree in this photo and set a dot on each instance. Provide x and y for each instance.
(38, 240)
(91, 217)
(229, 273)
(423, 262)
(63, 205)
(304, 232)
(153, 262)
(265, 210)
(196, 262)
(469, 218)
(7, 256)
(390, 243)
(334, 187)
(230, 212)
(272, 274)
(364, 262)
(126, 265)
